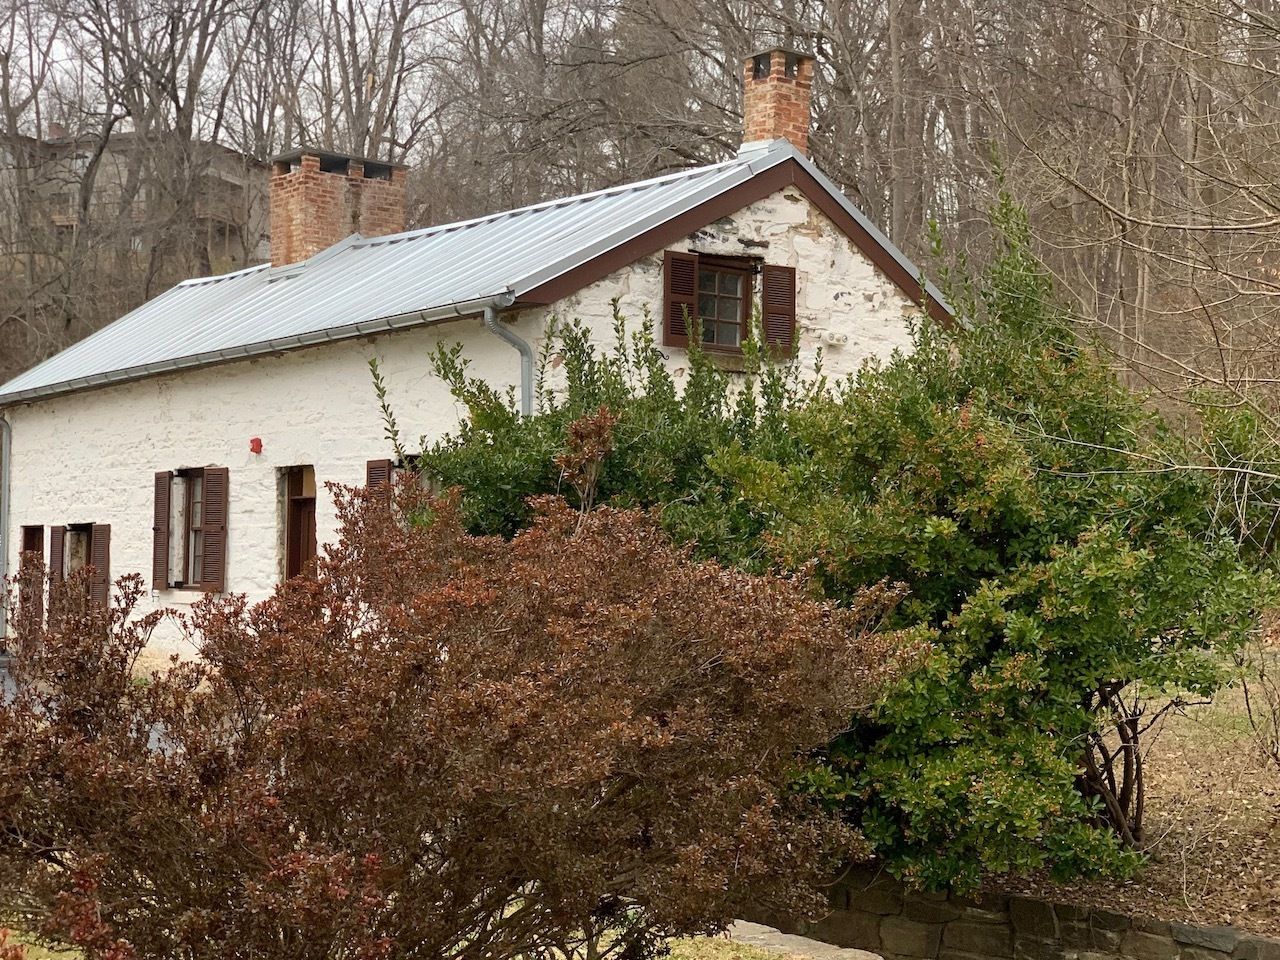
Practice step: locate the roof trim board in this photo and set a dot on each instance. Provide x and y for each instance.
(589, 271)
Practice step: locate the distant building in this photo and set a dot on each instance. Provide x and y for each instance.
(222, 219)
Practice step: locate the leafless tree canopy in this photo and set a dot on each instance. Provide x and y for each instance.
(1141, 134)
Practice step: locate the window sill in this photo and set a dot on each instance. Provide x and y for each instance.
(728, 361)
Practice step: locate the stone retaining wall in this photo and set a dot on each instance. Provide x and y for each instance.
(872, 911)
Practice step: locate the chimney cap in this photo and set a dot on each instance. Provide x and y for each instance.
(786, 50)
(372, 167)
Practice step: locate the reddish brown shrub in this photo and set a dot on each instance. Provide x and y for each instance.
(573, 743)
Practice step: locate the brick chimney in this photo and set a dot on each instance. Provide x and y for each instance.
(775, 97)
(319, 197)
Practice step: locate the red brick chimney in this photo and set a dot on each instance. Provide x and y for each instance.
(319, 197)
(776, 96)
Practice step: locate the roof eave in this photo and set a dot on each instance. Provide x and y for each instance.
(465, 308)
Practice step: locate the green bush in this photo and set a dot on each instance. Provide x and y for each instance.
(661, 444)
(1071, 582)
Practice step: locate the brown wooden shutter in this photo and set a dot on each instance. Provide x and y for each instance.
(160, 530)
(100, 560)
(213, 565)
(57, 554)
(778, 308)
(680, 296)
(31, 570)
(377, 476)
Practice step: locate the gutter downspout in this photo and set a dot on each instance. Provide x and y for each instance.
(504, 332)
(6, 454)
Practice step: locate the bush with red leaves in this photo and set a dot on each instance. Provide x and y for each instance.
(573, 743)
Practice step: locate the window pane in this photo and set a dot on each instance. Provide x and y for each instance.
(178, 524)
(730, 309)
(709, 331)
(197, 491)
(77, 549)
(706, 305)
(728, 335)
(731, 283)
(197, 556)
(707, 280)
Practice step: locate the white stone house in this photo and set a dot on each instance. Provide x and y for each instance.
(191, 440)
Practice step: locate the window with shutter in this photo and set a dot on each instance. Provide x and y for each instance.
(190, 504)
(715, 293)
(377, 476)
(778, 308)
(76, 546)
(680, 296)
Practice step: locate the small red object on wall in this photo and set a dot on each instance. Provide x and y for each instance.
(255, 445)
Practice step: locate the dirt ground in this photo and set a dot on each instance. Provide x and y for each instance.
(694, 948)
(722, 948)
(1213, 825)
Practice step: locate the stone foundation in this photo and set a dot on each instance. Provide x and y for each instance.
(872, 911)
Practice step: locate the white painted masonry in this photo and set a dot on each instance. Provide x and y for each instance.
(90, 457)
(838, 290)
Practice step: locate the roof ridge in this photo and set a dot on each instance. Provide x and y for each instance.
(738, 160)
(217, 277)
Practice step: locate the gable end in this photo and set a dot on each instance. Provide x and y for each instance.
(785, 174)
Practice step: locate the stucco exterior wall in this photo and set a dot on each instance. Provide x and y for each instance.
(91, 457)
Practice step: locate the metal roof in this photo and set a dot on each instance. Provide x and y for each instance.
(361, 286)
